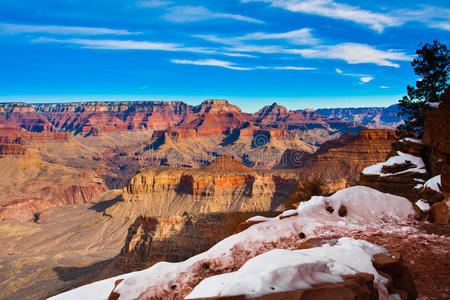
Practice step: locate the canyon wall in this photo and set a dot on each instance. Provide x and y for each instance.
(347, 156)
(225, 185)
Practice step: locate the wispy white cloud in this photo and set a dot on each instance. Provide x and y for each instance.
(362, 78)
(233, 66)
(432, 16)
(264, 49)
(384, 87)
(332, 9)
(301, 36)
(366, 79)
(354, 53)
(181, 14)
(61, 30)
(114, 44)
(137, 45)
(153, 3)
(286, 68)
(209, 62)
(441, 25)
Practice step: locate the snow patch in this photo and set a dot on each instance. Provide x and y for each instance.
(424, 206)
(434, 104)
(284, 270)
(434, 184)
(407, 139)
(258, 219)
(401, 158)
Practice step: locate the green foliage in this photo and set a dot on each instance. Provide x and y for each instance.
(432, 65)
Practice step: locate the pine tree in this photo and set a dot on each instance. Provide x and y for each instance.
(432, 65)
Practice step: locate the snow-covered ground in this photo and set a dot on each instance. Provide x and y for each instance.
(400, 158)
(366, 209)
(285, 270)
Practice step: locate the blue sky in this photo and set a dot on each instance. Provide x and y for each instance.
(313, 53)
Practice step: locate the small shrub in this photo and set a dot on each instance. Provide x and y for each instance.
(307, 187)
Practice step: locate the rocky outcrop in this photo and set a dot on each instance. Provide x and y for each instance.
(12, 149)
(412, 162)
(177, 238)
(348, 155)
(21, 115)
(31, 194)
(437, 138)
(216, 106)
(403, 174)
(224, 185)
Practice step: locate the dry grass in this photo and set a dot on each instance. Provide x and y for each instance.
(307, 187)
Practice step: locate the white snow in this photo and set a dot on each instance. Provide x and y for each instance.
(395, 297)
(434, 183)
(401, 158)
(367, 209)
(424, 206)
(284, 270)
(258, 219)
(407, 139)
(288, 213)
(434, 104)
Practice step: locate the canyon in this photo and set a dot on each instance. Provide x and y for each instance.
(97, 189)
(91, 147)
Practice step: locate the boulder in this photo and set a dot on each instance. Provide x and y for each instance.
(440, 212)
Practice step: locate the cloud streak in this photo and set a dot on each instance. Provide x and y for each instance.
(136, 45)
(153, 3)
(301, 36)
(233, 66)
(362, 78)
(335, 10)
(183, 14)
(209, 62)
(61, 30)
(354, 53)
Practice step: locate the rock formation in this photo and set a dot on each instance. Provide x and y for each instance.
(372, 117)
(224, 185)
(347, 156)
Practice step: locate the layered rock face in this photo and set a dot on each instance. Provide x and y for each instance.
(97, 117)
(153, 239)
(31, 185)
(21, 115)
(40, 170)
(403, 174)
(347, 156)
(225, 185)
(373, 117)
